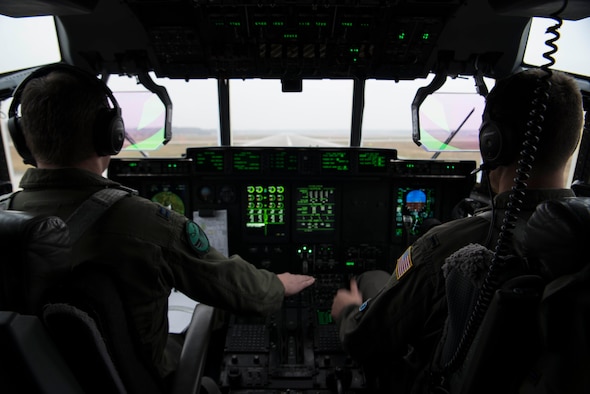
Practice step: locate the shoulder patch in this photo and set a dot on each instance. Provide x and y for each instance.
(404, 263)
(433, 240)
(196, 237)
(163, 212)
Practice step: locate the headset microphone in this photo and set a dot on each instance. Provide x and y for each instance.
(482, 167)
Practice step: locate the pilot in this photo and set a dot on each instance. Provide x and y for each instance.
(391, 322)
(70, 132)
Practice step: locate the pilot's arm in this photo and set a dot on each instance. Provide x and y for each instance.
(399, 315)
(230, 283)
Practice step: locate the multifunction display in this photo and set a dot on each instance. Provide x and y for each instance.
(265, 210)
(316, 209)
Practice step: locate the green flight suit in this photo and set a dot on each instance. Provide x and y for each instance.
(410, 310)
(152, 250)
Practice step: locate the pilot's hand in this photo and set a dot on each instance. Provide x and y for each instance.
(346, 297)
(294, 283)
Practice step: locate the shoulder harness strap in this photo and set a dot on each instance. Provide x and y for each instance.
(87, 213)
(6, 200)
(91, 209)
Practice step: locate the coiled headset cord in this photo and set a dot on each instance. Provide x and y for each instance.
(503, 247)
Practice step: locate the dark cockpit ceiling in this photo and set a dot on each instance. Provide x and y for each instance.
(294, 39)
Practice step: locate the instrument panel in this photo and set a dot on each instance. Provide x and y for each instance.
(327, 212)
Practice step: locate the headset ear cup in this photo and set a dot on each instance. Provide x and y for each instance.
(490, 142)
(109, 133)
(18, 139)
(495, 145)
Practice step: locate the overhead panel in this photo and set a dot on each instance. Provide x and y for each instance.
(298, 39)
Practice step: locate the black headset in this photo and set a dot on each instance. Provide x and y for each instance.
(497, 143)
(108, 131)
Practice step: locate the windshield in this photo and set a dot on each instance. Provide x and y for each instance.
(320, 115)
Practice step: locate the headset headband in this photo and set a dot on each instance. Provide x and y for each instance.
(109, 131)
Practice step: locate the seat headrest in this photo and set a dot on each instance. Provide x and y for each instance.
(37, 257)
(556, 235)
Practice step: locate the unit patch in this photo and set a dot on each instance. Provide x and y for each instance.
(197, 238)
(404, 263)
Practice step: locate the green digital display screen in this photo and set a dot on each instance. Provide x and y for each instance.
(246, 161)
(266, 210)
(209, 161)
(335, 161)
(324, 317)
(283, 161)
(372, 162)
(315, 209)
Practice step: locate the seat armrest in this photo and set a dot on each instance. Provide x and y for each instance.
(193, 356)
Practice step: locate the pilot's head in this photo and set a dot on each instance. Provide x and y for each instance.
(66, 117)
(510, 107)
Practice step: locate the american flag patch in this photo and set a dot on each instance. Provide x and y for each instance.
(404, 263)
